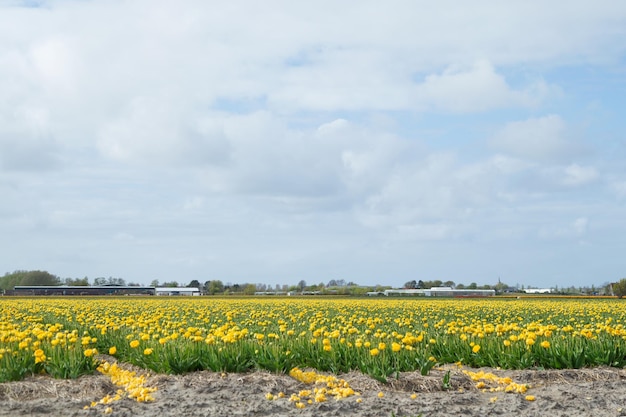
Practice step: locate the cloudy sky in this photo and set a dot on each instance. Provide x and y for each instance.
(274, 141)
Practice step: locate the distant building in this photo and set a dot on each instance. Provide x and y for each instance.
(185, 291)
(81, 290)
(271, 293)
(102, 290)
(538, 290)
(433, 292)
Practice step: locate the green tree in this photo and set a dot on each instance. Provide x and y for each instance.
(214, 287)
(429, 284)
(619, 288)
(249, 289)
(359, 291)
(8, 281)
(100, 281)
(116, 281)
(77, 282)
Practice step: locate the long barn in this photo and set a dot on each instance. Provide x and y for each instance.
(82, 290)
(435, 292)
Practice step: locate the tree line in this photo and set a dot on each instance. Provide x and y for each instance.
(333, 287)
(10, 280)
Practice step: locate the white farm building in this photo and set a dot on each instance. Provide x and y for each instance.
(177, 291)
(434, 292)
(538, 290)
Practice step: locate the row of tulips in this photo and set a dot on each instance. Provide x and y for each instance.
(380, 337)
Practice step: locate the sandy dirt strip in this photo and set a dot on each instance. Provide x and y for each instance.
(588, 392)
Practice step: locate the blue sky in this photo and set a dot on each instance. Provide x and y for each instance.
(276, 141)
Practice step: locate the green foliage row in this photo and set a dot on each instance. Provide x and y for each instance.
(10, 280)
(185, 355)
(313, 337)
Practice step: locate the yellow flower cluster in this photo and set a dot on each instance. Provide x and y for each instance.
(133, 385)
(40, 356)
(378, 336)
(325, 386)
(486, 381)
(90, 352)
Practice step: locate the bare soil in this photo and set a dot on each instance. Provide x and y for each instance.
(587, 392)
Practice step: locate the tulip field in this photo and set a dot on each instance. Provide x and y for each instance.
(64, 337)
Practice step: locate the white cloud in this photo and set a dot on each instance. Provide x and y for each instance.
(618, 188)
(122, 236)
(426, 191)
(540, 139)
(20, 151)
(508, 165)
(334, 127)
(150, 131)
(290, 56)
(580, 225)
(476, 89)
(574, 230)
(56, 64)
(141, 87)
(194, 203)
(576, 175)
(459, 88)
(428, 232)
(187, 128)
(560, 178)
